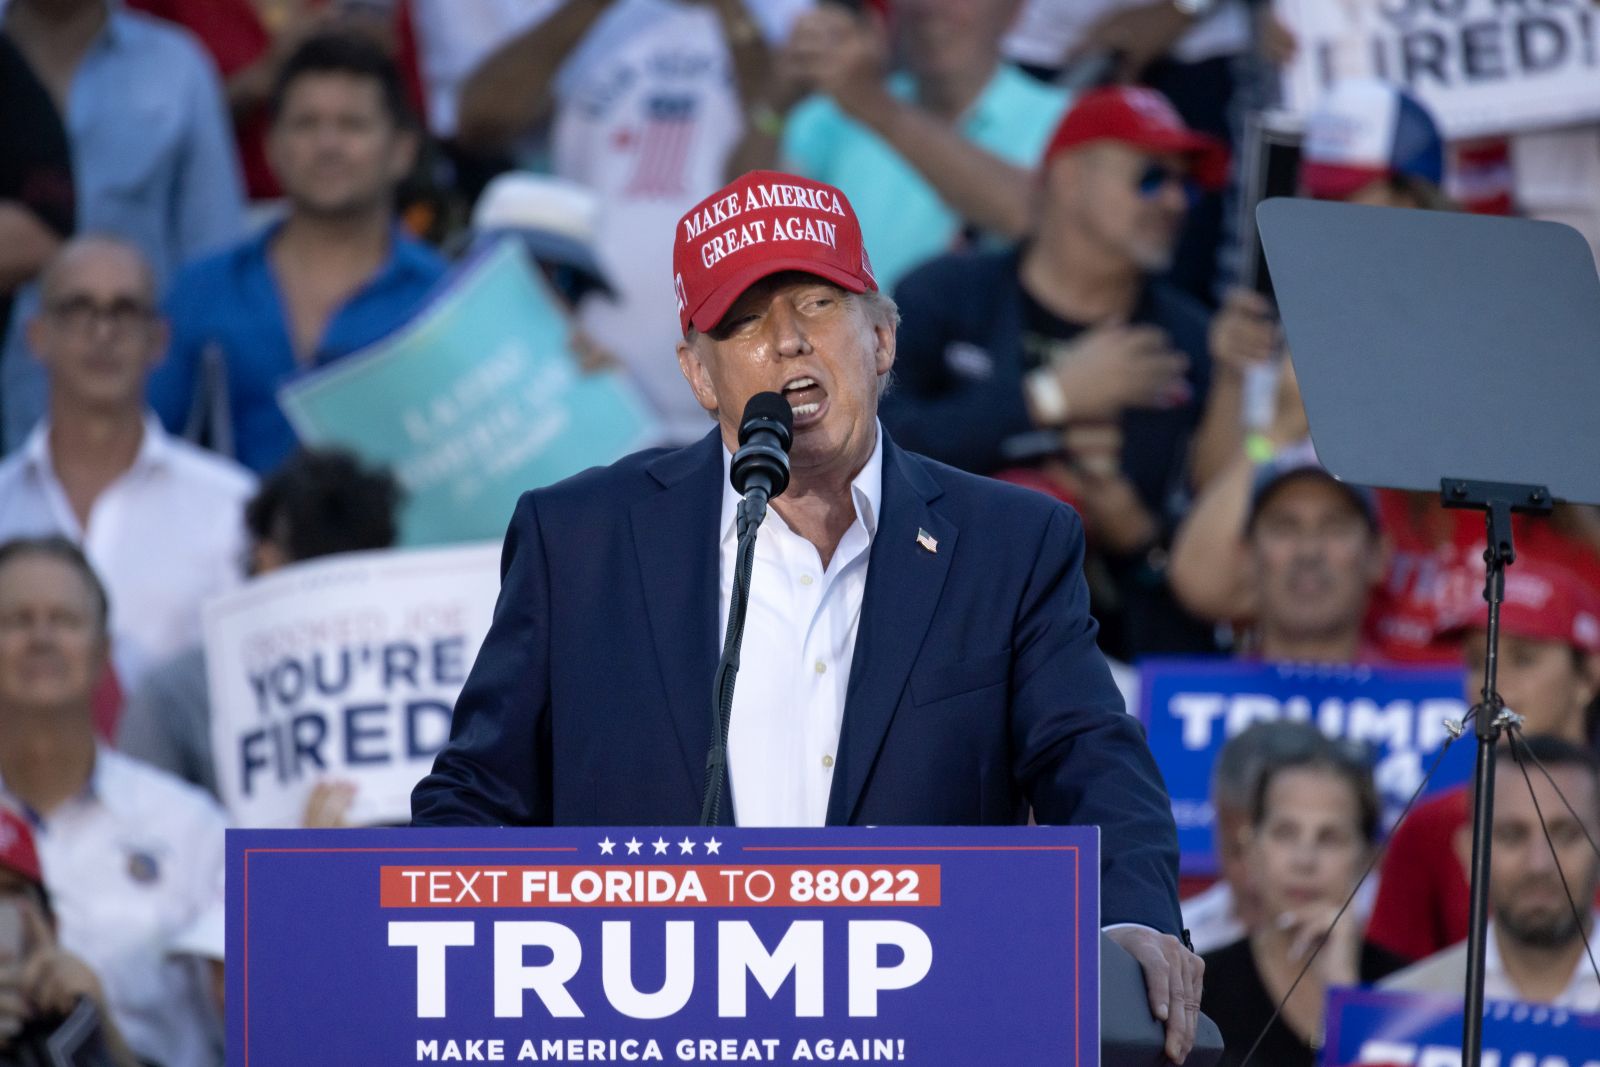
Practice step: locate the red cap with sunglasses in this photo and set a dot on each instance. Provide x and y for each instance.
(1143, 119)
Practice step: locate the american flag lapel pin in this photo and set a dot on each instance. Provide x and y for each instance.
(926, 540)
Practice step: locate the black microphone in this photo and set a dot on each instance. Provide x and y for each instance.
(762, 463)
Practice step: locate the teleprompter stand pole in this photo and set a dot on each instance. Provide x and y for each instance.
(1498, 501)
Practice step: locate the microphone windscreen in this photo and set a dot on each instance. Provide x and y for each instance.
(769, 406)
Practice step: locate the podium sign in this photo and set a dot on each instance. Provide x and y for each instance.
(1191, 708)
(1372, 1026)
(682, 945)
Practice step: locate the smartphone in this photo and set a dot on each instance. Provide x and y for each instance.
(1269, 166)
(12, 931)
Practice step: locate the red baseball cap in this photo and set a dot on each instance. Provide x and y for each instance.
(1143, 118)
(762, 224)
(1543, 601)
(17, 851)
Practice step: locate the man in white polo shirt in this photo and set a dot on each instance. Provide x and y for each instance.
(130, 854)
(161, 520)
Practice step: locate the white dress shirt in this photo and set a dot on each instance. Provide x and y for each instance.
(1582, 992)
(1446, 970)
(163, 537)
(799, 640)
(130, 863)
(1210, 919)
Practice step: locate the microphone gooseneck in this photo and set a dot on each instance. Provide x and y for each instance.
(759, 472)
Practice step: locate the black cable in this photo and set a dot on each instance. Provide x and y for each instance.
(1377, 856)
(1516, 739)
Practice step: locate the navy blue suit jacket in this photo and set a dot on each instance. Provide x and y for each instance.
(976, 690)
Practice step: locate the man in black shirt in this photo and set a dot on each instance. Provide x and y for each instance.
(1074, 355)
(36, 196)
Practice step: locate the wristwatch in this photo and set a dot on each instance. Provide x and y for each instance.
(1195, 8)
(1046, 397)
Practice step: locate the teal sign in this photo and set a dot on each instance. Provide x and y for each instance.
(474, 401)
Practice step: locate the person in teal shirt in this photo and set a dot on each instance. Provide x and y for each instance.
(944, 146)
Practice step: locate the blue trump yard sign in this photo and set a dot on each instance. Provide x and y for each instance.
(1191, 707)
(909, 946)
(1369, 1026)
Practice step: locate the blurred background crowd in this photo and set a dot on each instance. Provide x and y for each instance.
(201, 200)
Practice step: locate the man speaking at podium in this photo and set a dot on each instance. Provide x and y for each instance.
(918, 651)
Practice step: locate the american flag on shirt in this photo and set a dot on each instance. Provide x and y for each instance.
(662, 146)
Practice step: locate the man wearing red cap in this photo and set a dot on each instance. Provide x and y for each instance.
(1009, 357)
(1549, 674)
(52, 1007)
(918, 648)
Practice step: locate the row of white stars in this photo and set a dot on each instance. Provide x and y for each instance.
(660, 844)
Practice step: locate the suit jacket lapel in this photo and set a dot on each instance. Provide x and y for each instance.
(904, 580)
(676, 537)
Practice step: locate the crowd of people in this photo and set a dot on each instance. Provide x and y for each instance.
(201, 200)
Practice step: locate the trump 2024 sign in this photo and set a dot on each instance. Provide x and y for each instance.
(618, 946)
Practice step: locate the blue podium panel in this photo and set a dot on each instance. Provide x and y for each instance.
(635, 945)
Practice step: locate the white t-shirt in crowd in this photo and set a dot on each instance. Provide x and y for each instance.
(454, 36)
(163, 537)
(1047, 31)
(647, 113)
(1557, 175)
(1209, 918)
(1446, 970)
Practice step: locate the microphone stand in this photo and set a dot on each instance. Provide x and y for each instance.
(752, 510)
(1489, 717)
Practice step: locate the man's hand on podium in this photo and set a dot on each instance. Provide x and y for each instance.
(1172, 974)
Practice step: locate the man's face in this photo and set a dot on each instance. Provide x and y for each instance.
(948, 38)
(52, 648)
(336, 148)
(1382, 193)
(1129, 202)
(1525, 889)
(1544, 681)
(1315, 559)
(783, 331)
(98, 333)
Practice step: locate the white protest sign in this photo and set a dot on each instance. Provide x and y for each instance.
(1482, 67)
(342, 668)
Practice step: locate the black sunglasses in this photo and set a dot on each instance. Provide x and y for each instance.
(1155, 177)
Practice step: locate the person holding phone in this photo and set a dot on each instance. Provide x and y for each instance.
(52, 1006)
